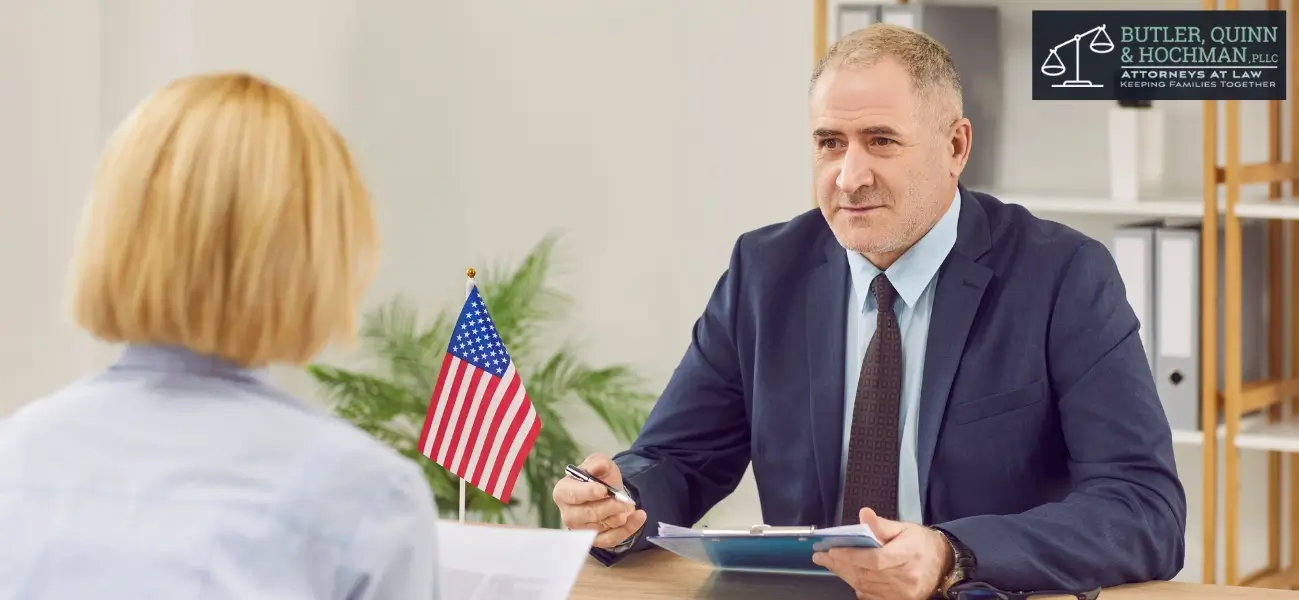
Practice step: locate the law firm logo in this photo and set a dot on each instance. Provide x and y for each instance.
(1054, 67)
(1142, 55)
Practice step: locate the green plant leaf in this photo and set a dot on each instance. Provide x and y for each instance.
(410, 356)
(614, 393)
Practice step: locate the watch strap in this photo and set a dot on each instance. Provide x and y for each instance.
(632, 539)
(963, 563)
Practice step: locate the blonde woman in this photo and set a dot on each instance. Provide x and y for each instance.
(228, 231)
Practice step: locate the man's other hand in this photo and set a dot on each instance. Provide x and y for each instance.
(909, 566)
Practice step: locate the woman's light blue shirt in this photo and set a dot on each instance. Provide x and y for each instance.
(177, 476)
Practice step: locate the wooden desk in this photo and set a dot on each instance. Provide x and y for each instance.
(659, 575)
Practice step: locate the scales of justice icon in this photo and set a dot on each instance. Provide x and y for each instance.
(1053, 66)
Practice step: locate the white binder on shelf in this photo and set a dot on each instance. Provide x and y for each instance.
(1133, 247)
(1177, 317)
(1177, 325)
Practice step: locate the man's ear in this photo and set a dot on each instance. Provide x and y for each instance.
(962, 135)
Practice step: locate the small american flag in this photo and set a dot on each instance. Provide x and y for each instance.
(481, 425)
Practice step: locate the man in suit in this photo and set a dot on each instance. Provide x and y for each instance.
(965, 378)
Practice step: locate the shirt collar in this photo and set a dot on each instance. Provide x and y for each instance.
(177, 359)
(913, 271)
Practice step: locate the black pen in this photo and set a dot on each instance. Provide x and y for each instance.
(580, 474)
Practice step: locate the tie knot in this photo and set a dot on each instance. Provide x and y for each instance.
(883, 291)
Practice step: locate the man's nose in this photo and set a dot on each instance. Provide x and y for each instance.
(856, 170)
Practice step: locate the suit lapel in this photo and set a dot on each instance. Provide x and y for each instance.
(961, 283)
(827, 293)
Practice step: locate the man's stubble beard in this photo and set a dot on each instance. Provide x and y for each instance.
(913, 223)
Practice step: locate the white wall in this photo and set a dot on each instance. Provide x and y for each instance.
(651, 132)
(49, 134)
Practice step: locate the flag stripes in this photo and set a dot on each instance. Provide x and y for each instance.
(480, 427)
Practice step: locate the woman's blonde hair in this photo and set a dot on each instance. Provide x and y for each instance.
(227, 217)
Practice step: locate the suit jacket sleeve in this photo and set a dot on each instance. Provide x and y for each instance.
(1125, 519)
(694, 447)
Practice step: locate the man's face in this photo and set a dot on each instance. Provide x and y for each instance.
(883, 169)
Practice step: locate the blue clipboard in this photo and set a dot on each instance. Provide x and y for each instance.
(764, 549)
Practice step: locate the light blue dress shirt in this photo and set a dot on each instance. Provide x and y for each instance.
(913, 277)
(174, 476)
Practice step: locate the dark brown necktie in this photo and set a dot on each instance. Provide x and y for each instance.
(871, 479)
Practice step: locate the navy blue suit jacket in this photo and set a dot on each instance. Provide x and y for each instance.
(1042, 444)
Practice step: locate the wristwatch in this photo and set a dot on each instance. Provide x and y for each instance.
(626, 544)
(963, 564)
(631, 540)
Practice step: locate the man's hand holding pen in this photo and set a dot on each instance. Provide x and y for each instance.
(599, 504)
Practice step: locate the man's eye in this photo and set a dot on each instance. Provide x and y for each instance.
(830, 144)
(882, 141)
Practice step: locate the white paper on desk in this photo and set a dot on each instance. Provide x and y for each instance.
(477, 562)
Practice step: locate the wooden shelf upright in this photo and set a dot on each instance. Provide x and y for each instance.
(1234, 398)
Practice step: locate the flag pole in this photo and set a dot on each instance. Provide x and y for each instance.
(469, 289)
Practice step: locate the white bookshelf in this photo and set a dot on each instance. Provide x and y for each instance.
(1048, 206)
(1251, 206)
(1262, 208)
(1251, 423)
(1282, 436)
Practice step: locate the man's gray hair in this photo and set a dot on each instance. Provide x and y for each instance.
(927, 62)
